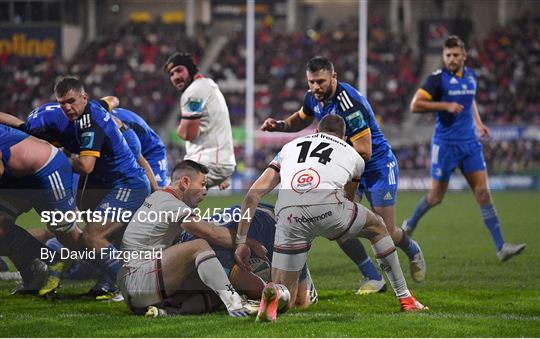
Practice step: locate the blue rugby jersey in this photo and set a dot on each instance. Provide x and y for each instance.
(152, 147)
(99, 136)
(443, 85)
(48, 122)
(359, 118)
(9, 137)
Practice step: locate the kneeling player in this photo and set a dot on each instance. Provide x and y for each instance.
(147, 283)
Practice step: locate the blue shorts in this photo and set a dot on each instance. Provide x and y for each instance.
(123, 198)
(469, 157)
(380, 185)
(160, 169)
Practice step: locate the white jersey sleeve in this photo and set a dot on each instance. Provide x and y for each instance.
(314, 170)
(214, 145)
(156, 223)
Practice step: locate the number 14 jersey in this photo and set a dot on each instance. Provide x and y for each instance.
(314, 170)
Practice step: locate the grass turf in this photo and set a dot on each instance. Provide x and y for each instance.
(469, 292)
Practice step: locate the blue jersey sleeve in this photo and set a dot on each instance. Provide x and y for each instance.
(433, 87)
(306, 112)
(356, 112)
(92, 137)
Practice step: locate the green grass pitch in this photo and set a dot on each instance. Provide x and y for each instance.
(469, 292)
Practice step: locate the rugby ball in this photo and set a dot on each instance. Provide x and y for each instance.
(260, 268)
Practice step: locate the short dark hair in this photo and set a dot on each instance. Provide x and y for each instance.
(319, 63)
(189, 167)
(184, 59)
(454, 41)
(332, 124)
(67, 83)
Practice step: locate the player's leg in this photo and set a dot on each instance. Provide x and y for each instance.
(444, 159)
(381, 189)
(368, 225)
(180, 260)
(474, 170)
(307, 293)
(373, 282)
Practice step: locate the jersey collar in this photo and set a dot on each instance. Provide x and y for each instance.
(168, 189)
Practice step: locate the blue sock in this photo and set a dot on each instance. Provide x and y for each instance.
(491, 220)
(421, 209)
(409, 246)
(108, 263)
(355, 250)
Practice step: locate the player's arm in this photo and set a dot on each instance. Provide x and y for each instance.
(190, 118)
(294, 123)
(82, 164)
(149, 173)
(362, 145)
(1, 166)
(482, 129)
(221, 236)
(350, 189)
(266, 183)
(10, 120)
(427, 99)
(109, 102)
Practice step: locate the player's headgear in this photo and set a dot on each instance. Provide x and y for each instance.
(454, 41)
(181, 59)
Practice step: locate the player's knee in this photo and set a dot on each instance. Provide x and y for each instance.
(435, 197)
(482, 195)
(375, 226)
(200, 246)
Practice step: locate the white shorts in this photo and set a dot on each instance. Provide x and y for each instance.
(218, 173)
(141, 284)
(297, 226)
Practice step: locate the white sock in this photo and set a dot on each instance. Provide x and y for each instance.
(212, 275)
(386, 255)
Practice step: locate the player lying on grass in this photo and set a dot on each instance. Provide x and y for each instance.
(262, 229)
(183, 270)
(34, 174)
(319, 174)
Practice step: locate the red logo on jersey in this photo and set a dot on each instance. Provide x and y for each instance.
(305, 180)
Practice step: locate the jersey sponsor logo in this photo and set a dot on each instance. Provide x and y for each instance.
(305, 180)
(195, 104)
(355, 120)
(317, 109)
(388, 196)
(453, 81)
(87, 140)
(462, 92)
(304, 220)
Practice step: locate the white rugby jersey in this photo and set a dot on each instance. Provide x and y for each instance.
(214, 144)
(156, 223)
(314, 170)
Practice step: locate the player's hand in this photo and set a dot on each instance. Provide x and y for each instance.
(257, 248)
(224, 184)
(242, 255)
(483, 131)
(271, 125)
(454, 108)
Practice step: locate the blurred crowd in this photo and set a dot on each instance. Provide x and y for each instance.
(127, 62)
(507, 61)
(280, 68)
